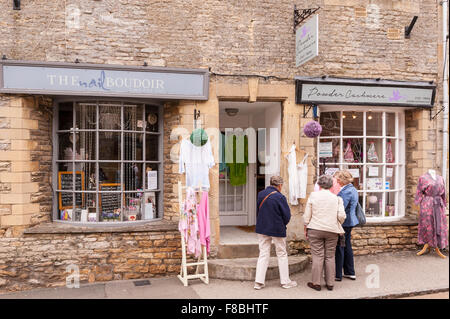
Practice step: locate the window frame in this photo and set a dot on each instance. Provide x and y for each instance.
(160, 162)
(399, 163)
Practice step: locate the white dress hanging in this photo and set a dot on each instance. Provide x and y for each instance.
(294, 177)
(302, 169)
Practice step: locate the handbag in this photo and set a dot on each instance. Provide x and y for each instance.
(360, 215)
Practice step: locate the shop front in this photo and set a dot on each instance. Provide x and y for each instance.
(83, 162)
(364, 130)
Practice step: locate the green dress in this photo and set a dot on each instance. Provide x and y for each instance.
(237, 169)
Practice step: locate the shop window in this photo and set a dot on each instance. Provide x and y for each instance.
(108, 163)
(370, 144)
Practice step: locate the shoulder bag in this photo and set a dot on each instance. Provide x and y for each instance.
(360, 214)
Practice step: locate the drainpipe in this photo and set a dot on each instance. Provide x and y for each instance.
(445, 90)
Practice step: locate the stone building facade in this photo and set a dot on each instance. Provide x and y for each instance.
(249, 50)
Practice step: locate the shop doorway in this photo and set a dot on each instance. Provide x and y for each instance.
(260, 124)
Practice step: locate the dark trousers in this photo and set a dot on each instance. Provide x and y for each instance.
(344, 256)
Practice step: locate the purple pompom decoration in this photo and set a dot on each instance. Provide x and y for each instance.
(312, 129)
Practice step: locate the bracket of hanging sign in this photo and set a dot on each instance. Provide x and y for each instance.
(299, 17)
(437, 113)
(306, 111)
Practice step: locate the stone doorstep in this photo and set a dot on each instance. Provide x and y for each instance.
(245, 268)
(229, 251)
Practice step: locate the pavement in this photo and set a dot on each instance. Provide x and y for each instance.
(385, 275)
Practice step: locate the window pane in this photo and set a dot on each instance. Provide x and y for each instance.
(133, 117)
(353, 150)
(374, 179)
(390, 177)
(239, 203)
(150, 205)
(86, 116)
(109, 116)
(331, 123)
(357, 172)
(109, 173)
(374, 150)
(230, 189)
(110, 205)
(65, 115)
(230, 203)
(222, 203)
(65, 206)
(353, 123)
(152, 147)
(374, 124)
(374, 204)
(390, 151)
(132, 176)
(151, 118)
(390, 204)
(329, 150)
(109, 143)
(390, 124)
(133, 144)
(87, 145)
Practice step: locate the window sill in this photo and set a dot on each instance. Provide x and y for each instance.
(73, 228)
(403, 221)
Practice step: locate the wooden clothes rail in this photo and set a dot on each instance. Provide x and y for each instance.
(183, 276)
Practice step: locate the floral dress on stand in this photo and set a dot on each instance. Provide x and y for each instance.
(188, 224)
(430, 196)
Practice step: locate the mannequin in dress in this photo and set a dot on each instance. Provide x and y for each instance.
(426, 247)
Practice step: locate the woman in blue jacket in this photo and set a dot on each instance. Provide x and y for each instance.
(344, 255)
(273, 215)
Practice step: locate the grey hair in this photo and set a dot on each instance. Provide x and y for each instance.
(276, 180)
(325, 181)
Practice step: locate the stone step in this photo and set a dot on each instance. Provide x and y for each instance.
(230, 251)
(245, 268)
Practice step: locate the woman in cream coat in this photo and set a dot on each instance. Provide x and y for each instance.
(323, 217)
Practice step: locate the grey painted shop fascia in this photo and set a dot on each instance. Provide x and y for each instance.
(372, 92)
(100, 80)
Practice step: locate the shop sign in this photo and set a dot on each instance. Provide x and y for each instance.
(365, 93)
(103, 80)
(307, 41)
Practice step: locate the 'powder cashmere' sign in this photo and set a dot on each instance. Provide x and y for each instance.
(364, 92)
(103, 80)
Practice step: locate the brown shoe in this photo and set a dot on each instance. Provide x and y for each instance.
(315, 287)
(330, 287)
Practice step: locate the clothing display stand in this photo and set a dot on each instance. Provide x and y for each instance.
(183, 276)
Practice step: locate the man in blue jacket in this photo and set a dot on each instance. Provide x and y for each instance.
(273, 215)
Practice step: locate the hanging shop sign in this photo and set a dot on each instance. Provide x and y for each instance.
(307, 41)
(103, 80)
(364, 92)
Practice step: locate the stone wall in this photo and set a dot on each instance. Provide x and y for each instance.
(42, 260)
(372, 239)
(25, 163)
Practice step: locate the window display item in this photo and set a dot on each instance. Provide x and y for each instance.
(312, 129)
(348, 153)
(149, 205)
(431, 198)
(84, 215)
(389, 153)
(372, 153)
(196, 161)
(92, 217)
